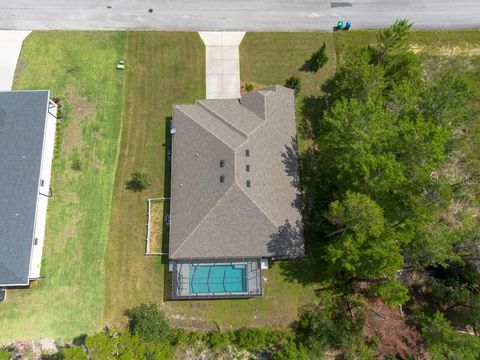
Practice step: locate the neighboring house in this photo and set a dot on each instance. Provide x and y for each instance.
(235, 197)
(27, 137)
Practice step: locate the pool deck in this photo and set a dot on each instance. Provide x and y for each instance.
(181, 279)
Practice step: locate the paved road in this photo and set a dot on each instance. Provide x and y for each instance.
(260, 15)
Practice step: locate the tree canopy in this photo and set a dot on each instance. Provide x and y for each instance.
(382, 131)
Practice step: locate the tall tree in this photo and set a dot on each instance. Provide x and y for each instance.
(390, 41)
(364, 247)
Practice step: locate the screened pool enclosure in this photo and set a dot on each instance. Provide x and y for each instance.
(216, 278)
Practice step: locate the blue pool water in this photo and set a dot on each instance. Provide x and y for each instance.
(217, 278)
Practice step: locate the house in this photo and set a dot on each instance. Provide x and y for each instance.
(235, 197)
(27, 137)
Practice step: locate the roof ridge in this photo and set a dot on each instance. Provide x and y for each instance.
(201, 221)
(207, 130)
(219, 117)
(255, 203)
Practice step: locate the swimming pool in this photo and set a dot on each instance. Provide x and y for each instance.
(207, 279)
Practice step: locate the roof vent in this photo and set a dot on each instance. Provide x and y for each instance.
(197, 156)
(247, 152)
(248, 183)
(222, 178)
(222, 163)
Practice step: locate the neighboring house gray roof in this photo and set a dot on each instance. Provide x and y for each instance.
(212, 219)
(22, 128)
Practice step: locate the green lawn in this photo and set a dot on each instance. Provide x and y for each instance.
(166, 69)
(162, 69)
(271, 58)
(79, 68)
(94, 262)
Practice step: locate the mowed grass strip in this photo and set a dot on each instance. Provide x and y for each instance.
(158, 229)
(166, 69)
(271, 58)
(162, 69)
(78, 68)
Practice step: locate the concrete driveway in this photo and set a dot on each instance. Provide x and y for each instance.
(234, 15)
(10, 46)
(222, 64)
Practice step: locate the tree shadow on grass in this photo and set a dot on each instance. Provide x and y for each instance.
(307, 66)
(315, 198)
(312, 110)
(288, 242)
(79, 340)
(133, 186)
(302, 271)
(291, 240)
(167, 275)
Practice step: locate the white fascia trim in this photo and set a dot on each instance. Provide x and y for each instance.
(49, 117)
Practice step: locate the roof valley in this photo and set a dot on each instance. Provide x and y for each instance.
(222, 140)
(245, 219)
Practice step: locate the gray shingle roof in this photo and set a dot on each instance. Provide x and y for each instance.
(210, 218)
(22, 127)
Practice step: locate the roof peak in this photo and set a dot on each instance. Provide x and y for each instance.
(238, 217)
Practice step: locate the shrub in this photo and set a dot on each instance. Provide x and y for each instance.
(293, 82)
(149, 323)
(74, 353)
(318, 59)
(4, 354)
(59, 111)
(249, 87)
(58, 140)
(445, 342)
(183, 337)
(138, 182)
(115, 345)
(250, 339)
(76, 165)
(72, 69)
(291, 351)
(392, 292)
(218, 339)
(321, 327)
(276, 337)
